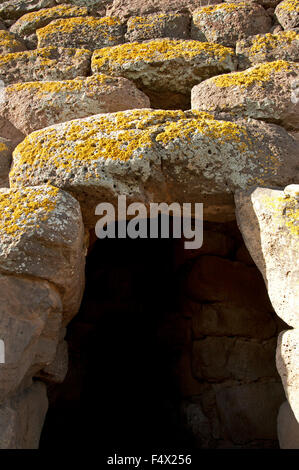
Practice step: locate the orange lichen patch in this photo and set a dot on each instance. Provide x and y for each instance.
(158, 50)
(289, 5)
(222, 7)
(257, 75)
(262, 42)
(32, 21)
(285, 212)
(20, 209)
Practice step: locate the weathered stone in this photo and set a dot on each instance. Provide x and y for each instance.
(163, 25)
(226, 23)
(287, 362)
(90, 33)
(196, 422)
(216, 279)
(92, 5)
(12, 136)
(268, 220)
(243, 256)
(214, 243)
(50, 63)
(34, 105)
(42, 236)
(30, 320)
(186, 383)
(128, 8)
(5, 162)
(227, 319)
(168, 156)
(56, 371)
(267, 48)
(22, 418)
(261, 92)
(264, 3)
(9, 43)
(287, 13)
(29, 23)
(249, 411)
(220, 358)
(169, 68)
(287, 428)
(13, 9)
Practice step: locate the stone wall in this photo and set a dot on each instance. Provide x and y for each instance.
(94, 103)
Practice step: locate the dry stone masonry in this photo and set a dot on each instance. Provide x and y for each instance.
(160, 101)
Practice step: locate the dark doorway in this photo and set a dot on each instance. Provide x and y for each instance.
(120, 391)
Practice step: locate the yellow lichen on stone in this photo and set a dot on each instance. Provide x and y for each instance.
(8, 40)
(157, 50)
(119, 136)
(45, 88)
(20, 209)
(27, 23)
(289, 5)
(84, 23)
(3, 147)
(257, 75)
(206, 125)
(285, 212)
(221, 7)
(147, 23)
(262, 42)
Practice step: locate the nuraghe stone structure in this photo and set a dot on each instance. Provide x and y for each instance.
(161, 101)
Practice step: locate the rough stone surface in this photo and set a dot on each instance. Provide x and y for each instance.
(220, 358)
(249, 411)
(264, 3)
(261, 92)
(5, 162)
(221, 280)
(35, 105)
(268, 47)
(287, 361)
(42, 236)
(13, 9)
(268, 220)
(214, 171)
(168, 67)
(287, 428)
(89, 33)
(167, 25)
(127, 8)
(29, 23)
(227, 319)
(9, 43)
(29, 327)
(50, 63)
(56, 371)
(22, 418)
(226, 23)
(287, 13)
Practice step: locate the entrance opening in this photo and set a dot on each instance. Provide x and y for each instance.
(171, 348)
